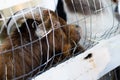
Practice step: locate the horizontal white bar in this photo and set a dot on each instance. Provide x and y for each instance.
(105, 57)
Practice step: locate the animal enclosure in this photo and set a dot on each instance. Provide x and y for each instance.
(34, 37)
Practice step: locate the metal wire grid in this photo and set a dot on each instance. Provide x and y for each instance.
(76, 14)
(13, 27)
(87, 20)
(114, 30)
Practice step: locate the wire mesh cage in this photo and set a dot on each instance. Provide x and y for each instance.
(34, 38)
(41, 36)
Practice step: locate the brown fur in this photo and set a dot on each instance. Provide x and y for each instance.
(18, 62)
(3, 34)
